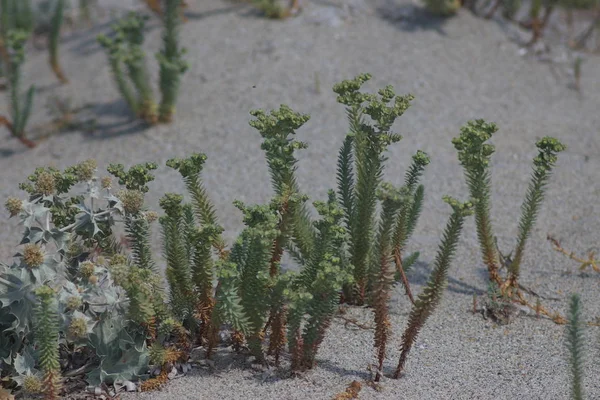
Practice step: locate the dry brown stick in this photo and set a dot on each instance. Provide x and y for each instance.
(591, 261)
(29, 143)
(354, 322)
(398, 262)
(539, 309)
(351, 392)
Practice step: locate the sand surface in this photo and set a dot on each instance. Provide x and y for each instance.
(458, 69)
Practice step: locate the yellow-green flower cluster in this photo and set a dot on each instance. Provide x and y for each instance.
(33, 255)
(13, 206)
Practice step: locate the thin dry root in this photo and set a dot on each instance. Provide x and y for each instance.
(352, 321)
(59, 73)
(590, 262)
(540, 310)
(351, 392)
(29, 143)
(400, 270)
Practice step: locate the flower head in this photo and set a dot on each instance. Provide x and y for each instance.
(33, 255)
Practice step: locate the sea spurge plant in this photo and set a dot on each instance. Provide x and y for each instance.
(315, 293)
(170, 59)
(360, 170)
(277, 130)
(296, 232)
(46, 336)
(257, 238)
(575, 343)
(116, 50)
(110, 299)
(178, 257)
(548, 149)
(127, 57)
(474, 155)
(382, 273)
(20, 108)
(54, 40)
(431, 295)
(408, 215)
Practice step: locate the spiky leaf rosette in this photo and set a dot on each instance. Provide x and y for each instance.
(46, 335)
(474, 155)
(432, 293)
(172, 65)
(369, 142)
(543, 164)
(382, 274)
(575, 345)
(277, 129)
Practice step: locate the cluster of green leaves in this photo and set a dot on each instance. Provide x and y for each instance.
(575, 343)
(20, 107)
(270, 8)
(172, 64)
(443, 7)
(108, 300)
(18, 20)
(474, 154)
(93, 298)
(16, 15)
(54, 39)
(360, 170)
(126, 55)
